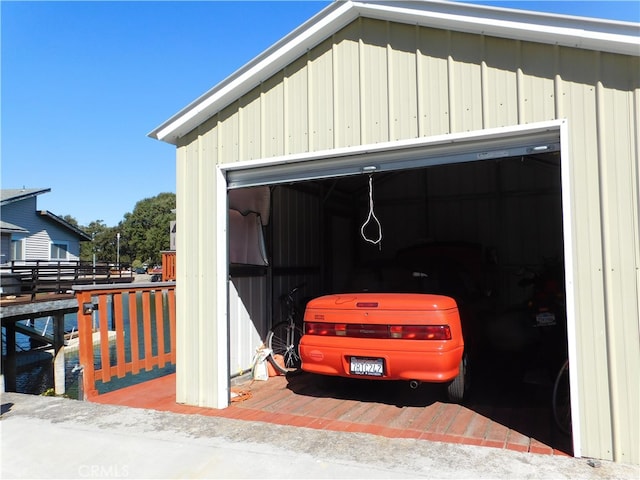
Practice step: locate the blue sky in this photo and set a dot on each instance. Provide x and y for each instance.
(83, 83)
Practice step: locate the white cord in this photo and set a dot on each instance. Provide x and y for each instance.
(370, 216)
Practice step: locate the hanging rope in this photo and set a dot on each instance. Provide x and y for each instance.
(370, 217)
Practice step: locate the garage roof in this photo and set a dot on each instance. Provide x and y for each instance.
(570, 31)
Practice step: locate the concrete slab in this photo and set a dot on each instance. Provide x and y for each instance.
(52, 437)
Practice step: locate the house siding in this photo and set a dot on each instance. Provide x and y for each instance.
(376, 81)
(5, 246)
(41, 231)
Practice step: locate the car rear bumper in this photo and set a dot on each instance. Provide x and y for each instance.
(410, 360)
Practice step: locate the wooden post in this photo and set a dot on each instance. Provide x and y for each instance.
(9, 367)
(58, 354)
(85, 334)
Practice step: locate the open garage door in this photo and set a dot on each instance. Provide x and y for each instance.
(501, 143)
(500, 189)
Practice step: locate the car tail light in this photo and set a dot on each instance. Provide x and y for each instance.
(319, 328)
(422, 332)
(358, 330)
(325, 329)
(367, 304)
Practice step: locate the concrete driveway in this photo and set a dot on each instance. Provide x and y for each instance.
(51, 437)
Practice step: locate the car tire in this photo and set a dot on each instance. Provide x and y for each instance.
(459, 386)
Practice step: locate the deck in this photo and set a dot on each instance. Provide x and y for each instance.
(516, 422)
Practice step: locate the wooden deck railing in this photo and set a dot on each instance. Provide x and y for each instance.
(39, 276)
(124, 330)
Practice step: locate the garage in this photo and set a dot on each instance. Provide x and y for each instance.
(451, 125)
(343, 229)
(491, 202)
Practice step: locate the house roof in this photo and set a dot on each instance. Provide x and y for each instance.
(6, 227)
(64, 224)
(10, 195)
(564, 30)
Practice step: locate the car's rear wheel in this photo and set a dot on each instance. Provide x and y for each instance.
(459, 386)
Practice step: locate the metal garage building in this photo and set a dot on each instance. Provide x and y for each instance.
(471, 101)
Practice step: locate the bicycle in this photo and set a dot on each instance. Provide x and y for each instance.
(284, 337)
(561, 400)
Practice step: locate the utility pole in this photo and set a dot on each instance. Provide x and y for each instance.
(93, 249)
(118, 250)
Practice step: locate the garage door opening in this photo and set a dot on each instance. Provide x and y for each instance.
(498, 216)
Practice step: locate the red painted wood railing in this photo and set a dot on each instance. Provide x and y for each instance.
(124, 330)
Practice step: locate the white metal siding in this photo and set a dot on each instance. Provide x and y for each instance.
(201, 359)
(273, 125)
(465, 83)
(296, 106)
(432, 79)
(250, 114)
(374, 82)
(346, 87)
(359, 89)
(248, 321)
(617, 130)
(321, 109)
(577, 101)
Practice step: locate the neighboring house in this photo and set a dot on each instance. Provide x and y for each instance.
(510, 128)
(30, 234)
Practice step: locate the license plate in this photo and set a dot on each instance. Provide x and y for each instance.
(546, 318)
(373, 367)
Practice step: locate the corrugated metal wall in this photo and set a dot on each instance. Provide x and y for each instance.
(376, 81)
(509, 206)
(248, 321)
(200, 360)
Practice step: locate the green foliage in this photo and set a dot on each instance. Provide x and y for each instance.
(102, 244)
(136, 264)
(144, 234)
(70, 220)
(146, 229)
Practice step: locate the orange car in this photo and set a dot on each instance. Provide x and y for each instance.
(386, 336)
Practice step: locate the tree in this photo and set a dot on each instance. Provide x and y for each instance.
(144, 234)
(145, 231)
(71, 220)
(103, 243)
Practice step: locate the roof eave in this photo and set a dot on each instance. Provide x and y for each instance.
(28, 193)
(6, 227)
(563, 30)
(269, 62)
(65, 224)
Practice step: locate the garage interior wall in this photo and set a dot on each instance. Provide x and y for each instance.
(377, 81)
(509, 207)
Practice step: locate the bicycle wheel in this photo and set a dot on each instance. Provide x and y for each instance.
(283, 339)
(561, 401)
